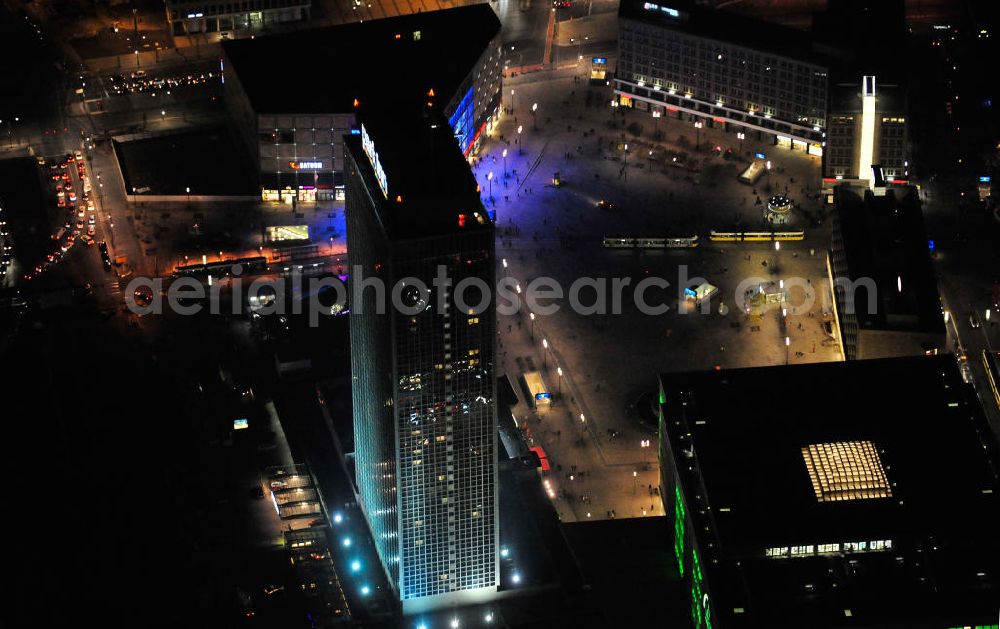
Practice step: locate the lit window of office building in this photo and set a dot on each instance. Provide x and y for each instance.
(724, 70)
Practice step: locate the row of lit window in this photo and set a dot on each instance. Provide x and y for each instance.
(739, 103)
(826, 549)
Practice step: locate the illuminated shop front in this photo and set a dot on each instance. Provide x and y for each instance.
(463, 121)
(468, 130)
(303, 185)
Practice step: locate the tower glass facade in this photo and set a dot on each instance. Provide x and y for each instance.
(445, 414)
(371, 380)
(424, 388)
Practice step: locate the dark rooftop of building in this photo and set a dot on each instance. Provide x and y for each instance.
(874, 31)
(628, 564)
(775, 458)
(323, 70)
(845, 97)
(726, 27)
(883, 238)
(203, 160)
(430, 189)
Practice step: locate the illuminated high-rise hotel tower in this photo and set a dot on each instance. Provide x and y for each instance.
(423, 368)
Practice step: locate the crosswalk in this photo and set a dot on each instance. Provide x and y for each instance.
(109, 295)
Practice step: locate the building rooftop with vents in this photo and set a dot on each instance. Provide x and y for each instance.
(323, 70)
(855, 494)
(728, 27)
(880, 249)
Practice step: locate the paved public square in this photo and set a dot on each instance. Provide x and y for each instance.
(600, 465)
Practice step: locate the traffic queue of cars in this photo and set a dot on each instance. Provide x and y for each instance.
(5, 246)
(80, 219)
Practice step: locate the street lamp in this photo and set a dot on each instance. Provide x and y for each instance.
(188, 190)
(559, 389)
(534, 117)
(650, 160)
(625, 167)
(531, 316)
(512, 102)
(520, 58)
(520, 151)
(697, 142)
(545, 353)
(489, 178)
(504, 163)
(788, 341)
(740, 136)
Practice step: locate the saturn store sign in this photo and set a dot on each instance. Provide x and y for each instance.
(306, 165)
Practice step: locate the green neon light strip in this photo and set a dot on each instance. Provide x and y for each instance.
(679, 529)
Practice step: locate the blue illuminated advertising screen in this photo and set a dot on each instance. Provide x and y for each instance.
(463, 121)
